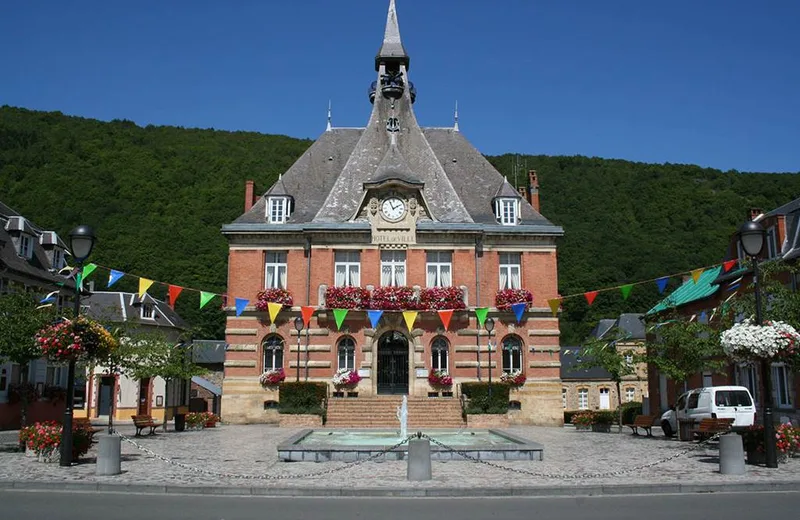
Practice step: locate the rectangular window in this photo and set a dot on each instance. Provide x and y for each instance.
(439, 269)
(509, 270)
(278, 211)
(630, 395)
(25, 246)
(147, 311)
(747, 376)
(393, 268)
(782, 385)
(58, 258)
(583, 399)
(55, 375)
(708, 379)
(275, 271)
(347, 268)
(772, 242)
(508, 212)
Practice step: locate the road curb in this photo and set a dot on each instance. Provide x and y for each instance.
(536, 491)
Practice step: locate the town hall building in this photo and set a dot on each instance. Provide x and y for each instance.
(398, 218)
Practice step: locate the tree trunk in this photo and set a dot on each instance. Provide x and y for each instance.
(619, 406)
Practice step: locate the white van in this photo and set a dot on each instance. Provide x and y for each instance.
(716, 402)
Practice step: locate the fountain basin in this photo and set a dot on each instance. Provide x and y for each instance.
(322, 445)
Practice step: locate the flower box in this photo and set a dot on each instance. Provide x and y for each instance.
(344, 377)
(515, 378)
(440, 379)
(441, 298)
(272, 377)
(267, 296)
(505, 298)
(347, 298)
(393, 299)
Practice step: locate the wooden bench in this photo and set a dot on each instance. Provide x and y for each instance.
(85, 424)
(709, 427)
(644, 422)
(144, 421)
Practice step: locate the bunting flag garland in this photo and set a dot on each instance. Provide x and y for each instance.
(703, 317)
(49, 298)
(554, 304)
(590, 296)
(626, 290)
(205, 297)
(79, 280)
(113, 276)
(445, 317)
(88, 269)
(274, 309)
(241, 304)
(339, 315)
(144, 284)
(696, 274)
(662, 284)
(374, 318)
(727, 266)
(519, 310)
(481, 313)
(410, 317)
(174, 291)
(306, 312)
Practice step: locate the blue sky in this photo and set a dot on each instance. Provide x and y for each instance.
(711, 82)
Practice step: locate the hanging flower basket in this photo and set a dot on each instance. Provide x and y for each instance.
(440, 378)
(266, 296)
(515, 378)
(79, 338)
(441, 298)
(505, 298)
(775, 341)
(272, 377)
(344, 377)
(346, 298)
(44, 439)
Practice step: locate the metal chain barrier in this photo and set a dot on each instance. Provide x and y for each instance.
(565, 476)
(346, 466)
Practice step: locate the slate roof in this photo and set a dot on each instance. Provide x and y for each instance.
(629, 326)
(206, 351)
(570, 358)
(690, 291)
(125, 307)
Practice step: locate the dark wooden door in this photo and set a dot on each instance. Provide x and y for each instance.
(393, 364)
(144, 396)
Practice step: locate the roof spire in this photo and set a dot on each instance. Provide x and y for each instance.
(328, 128)
(392, 47)
(455, 125)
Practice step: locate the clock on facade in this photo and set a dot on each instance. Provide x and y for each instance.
(393, 208)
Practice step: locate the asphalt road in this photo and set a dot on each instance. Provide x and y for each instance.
(22, 505)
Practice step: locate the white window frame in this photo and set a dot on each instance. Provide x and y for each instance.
(56, 375)
(393, 268)
(25, 246)
(507, 211)
(630, 394)
(278, 210)
(440, 354)
(782, 385)
(147, 311)
(583, 398)
(747, 375)
(275, 262)
(271, 345)
(58, 258)
(510, 270)
(346, 346)
(772, 242)
(439, 268)
(347, 268)
(512, 349)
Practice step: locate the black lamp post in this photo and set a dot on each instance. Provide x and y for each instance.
(751, 237)
(81, 242)
(298, 326)
(489, 328)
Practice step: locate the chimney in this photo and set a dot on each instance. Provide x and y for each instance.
(754, 212)
(523, 191)
(249, 195)
(533, 185)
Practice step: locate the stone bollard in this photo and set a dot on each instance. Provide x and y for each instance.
(108, 455)
(731, 454)
(419, 459)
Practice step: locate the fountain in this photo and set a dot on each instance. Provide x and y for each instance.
(402, 416)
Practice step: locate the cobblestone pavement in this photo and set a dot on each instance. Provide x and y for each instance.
(570, 459)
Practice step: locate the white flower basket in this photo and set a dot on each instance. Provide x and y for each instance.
(745, 342)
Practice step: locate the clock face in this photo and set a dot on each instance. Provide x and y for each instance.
(393, 208)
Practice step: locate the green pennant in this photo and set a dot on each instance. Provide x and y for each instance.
(79, 281)
(205, 297)
(339, 315)
(481, 313)
(88, 269)
(626, 290)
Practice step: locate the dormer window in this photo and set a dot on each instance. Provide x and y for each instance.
(25, 246)
(278, 209)
(147, 311)
(506, 211)
(58, 258)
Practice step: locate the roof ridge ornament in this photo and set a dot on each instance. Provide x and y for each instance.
(328, 128)
(392, 46)
(455, 125)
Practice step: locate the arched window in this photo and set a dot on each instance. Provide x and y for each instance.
(347, 353)
(273, 352)
(439, 354)
(512, 354)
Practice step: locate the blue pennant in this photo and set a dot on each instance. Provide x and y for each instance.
(113, 276)
(241, 303)
(519, 310)
(662, 284)
(375, 317)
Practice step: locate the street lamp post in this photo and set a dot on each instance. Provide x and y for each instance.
(81, 243)
(751, 237)
(489, 328)
(298, 326)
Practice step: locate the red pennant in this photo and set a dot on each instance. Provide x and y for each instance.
(445, 317)
(307, 312)
(590, 296)
(727, 266)
(174, 291)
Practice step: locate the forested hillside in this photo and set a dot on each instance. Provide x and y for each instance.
(159, 195)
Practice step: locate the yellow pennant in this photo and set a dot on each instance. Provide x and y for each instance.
(274, 309)
(410, 317)
(554, 304)
(144, 284)
(696, 274)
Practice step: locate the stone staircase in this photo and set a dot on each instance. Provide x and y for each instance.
(381, 412)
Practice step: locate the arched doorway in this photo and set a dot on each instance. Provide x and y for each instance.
(392, 363)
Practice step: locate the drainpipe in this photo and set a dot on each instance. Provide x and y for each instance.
(307, 248)
(478, 254)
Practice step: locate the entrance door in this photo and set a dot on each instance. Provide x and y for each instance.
(144, 397)
(604, 401)
(393, 364)
(106, 394)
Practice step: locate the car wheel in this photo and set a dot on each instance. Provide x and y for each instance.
(667, 429)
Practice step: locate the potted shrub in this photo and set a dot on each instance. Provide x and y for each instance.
(583, 420)
(787, 442)
(209, 419)
(272, 377)
(194, 421)
(602, 421)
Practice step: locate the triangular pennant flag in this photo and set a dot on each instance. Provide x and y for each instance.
(445, 317)
(703, 317)
(79, 280)
(339, 315)
(696, 274)
(410, 317)
(205, 297)
(374, 318)
(481, 313)
(144, 284)
(274, 309)
(554, 304)
(174, 291)
(241, 304)
(590, 296)
(519, 310)
(662, 284)
(306, 312)
(626, 290)
(727, 266)
(113, 276)
(88, 269)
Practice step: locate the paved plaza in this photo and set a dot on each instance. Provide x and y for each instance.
(573, 459)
